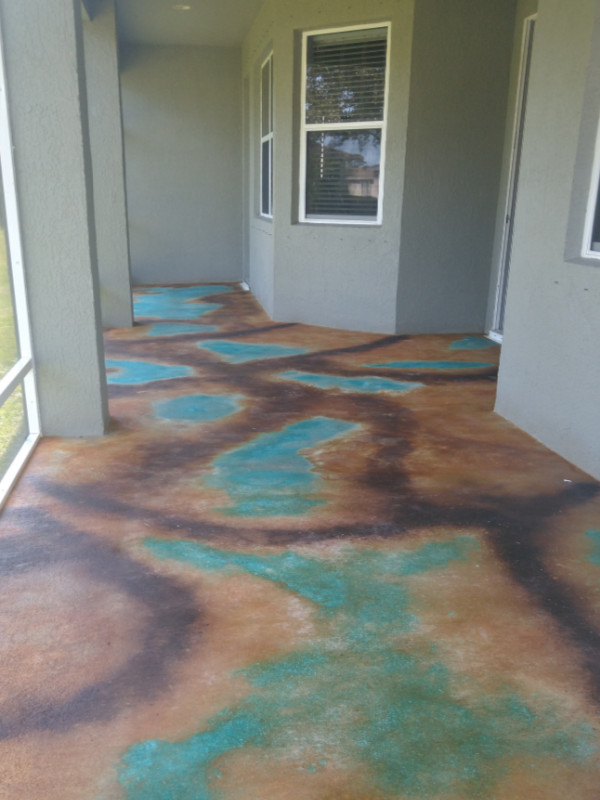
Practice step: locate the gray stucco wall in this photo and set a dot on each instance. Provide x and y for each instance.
(259, 268)
(458, 98)
(43, 50)
(337, 275)
(550, 366)
(183, 145)
(106, 141)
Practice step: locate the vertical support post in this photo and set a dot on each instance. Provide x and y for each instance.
(43, 48)
(108, 164)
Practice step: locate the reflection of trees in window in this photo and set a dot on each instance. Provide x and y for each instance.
(340, 180)
(345, 80)
(344, 114)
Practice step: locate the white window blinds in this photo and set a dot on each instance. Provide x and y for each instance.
(345, 76)
(343, 124)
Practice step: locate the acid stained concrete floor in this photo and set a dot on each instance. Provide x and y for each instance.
(305, 564)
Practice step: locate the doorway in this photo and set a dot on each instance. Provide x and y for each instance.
(497, 330)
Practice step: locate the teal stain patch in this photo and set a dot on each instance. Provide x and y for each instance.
(189, 292)
(442, 365)
(134, 372)
(594, 536)
(198, 407)
(367, 384)
(176, 302)
(473, 343)
(179, 328)
(354, 694)
(268, 476)
(240, 352)
(158, 770)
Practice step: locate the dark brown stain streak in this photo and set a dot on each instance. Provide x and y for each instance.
(273, 403)
(248, 377)
(514, 534)
(515, 525)
(173, 621)
(522, 552)
(168, 350)
(114, 347)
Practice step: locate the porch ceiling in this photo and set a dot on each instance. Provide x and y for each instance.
(220, 23)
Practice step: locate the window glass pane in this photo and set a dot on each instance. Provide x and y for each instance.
(271, 176)
(345, 76)
(9, 349)
(271, 104)
(266, 125)
(13, 428)
(266, 178)
(596, 228)
(342, 173)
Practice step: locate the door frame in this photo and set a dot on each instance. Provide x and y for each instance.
(496, 331)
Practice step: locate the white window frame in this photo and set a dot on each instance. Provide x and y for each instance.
(22, 372)
(367, 125)
(269, 137)
(593, 201)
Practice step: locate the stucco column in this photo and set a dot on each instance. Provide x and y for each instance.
(43, 50)
(106, 140)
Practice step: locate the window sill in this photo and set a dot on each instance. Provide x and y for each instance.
(341, 222)
(591, 260)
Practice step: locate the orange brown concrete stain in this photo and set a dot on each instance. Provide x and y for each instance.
(423, 467)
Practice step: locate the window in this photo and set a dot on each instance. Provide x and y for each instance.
(266, 138)
(591, 243)
(591, 228)
(582, 241)
(343, 125)
(19, 425)
(594, 238)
